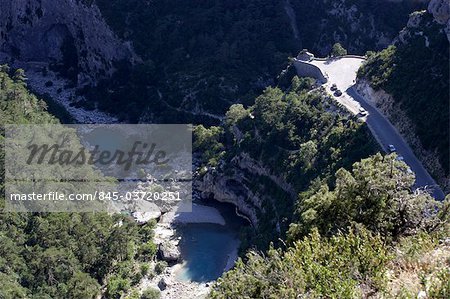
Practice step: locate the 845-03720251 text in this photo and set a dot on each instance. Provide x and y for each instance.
(98, 195)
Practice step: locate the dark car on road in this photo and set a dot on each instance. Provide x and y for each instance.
(338, 93)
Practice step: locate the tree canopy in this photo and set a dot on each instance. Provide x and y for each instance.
(62, 255)
(338, 50)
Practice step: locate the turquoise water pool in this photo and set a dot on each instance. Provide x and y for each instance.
(208, 249)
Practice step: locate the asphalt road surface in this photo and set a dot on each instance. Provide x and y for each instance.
(342, 72)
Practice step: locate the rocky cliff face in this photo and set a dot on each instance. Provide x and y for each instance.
(236, 188)
(69, 33)
(441, 13)
(439, 9)
(405, 126)
(358, 25)
(231, 190)
(421, 58)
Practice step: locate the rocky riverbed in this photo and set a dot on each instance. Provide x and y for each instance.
(60, 90)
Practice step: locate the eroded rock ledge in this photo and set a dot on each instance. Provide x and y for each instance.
(233, 188)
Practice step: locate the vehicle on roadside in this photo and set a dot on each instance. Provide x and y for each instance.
(362, 111)
(400, 158)
(338, 93)
(391, 148)
(333, 87)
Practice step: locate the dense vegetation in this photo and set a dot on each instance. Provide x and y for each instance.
(201, 56)
(63, 255)
(332, 223)
(355, 229)
(416, 74)
(338, 50)
(368, 236)
(297, 137)
(375, 194)
(359, 25)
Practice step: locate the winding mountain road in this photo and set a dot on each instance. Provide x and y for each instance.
(342, 72)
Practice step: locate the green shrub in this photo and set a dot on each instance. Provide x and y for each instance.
(151, 293)
(144, 269)
(314, 267)
(160, 267)
(338, 50)
(148, 250)
(440, 284)
(117, 286)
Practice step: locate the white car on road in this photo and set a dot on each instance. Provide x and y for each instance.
(392, 148)
(362, 111)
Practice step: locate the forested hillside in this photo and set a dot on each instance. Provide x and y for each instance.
(199, 57)
(62, 255)
(415, 72)
(359, 25)
(268, 153)
(368, 236)
(352, 226)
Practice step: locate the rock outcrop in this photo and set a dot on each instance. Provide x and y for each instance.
(230, 190)
(440, 10)
(414, 22)
(162, 284)
(235, 188)
(169, 252)
(441, 13)
(69, 32)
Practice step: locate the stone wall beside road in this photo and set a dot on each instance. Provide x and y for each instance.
(305, 69)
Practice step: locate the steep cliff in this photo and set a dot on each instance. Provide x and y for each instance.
(411, 86)
(269, 153)
(441, 13)
(202, 56)
(69, 34)
(359, 25)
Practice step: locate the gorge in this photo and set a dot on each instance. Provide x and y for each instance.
(298, 191)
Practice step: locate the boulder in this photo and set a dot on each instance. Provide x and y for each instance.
(162, 284)
(169, 252)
